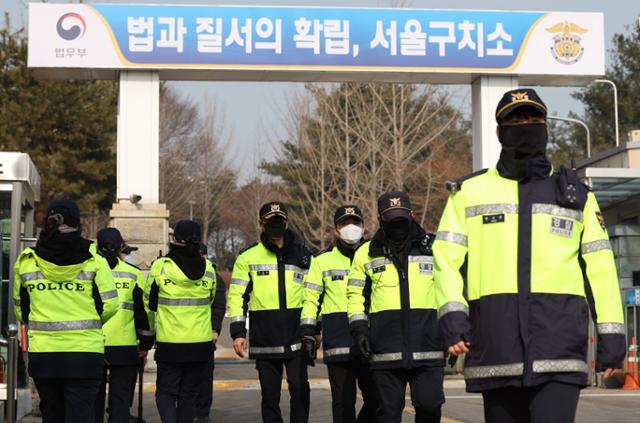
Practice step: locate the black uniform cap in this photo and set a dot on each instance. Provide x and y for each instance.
(272, 209)
(515, 99)
(394, 204)
(188, 231)
(346, 211)
(110, 237)
(64, 211)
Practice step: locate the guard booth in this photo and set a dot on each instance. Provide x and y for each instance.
(19, 190)
(614, 176)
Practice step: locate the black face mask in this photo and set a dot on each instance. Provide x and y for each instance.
(275, 228)
(523, 153)
(397, 230)
(524, 141)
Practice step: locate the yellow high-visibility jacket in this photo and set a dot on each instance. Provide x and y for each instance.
(394, 300)
(64, 308)
(515, 263)
(268, 283)
(326, 295)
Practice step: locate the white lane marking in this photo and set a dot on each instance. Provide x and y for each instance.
(613, 395)
(610, 395)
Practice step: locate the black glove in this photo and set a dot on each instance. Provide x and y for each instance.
(453, 359)
(364, 345)
(309, 350)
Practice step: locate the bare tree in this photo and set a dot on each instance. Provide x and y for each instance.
(179, 128)
(349, 143)
(196, 172)
(215, 176)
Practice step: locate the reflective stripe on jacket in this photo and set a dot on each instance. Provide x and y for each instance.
(121, 330)
(530, 263)
(64, 307)
(395, 301)
(270, 286)
(326, 294)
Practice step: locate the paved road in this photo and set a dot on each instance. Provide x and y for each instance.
(237, 397)
(237, 400)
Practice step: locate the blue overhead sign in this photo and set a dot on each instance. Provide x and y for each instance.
(292, 38)
(317, 37)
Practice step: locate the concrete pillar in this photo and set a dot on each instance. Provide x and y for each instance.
(144, 223)
(486, 92)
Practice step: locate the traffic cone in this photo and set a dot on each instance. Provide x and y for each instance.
(632, 379)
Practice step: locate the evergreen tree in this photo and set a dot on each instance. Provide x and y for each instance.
(67, 127)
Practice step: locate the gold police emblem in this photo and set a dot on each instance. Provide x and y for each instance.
(520, 96)
(394, 202)
(275, 207)
(567, 48)
(349, 210)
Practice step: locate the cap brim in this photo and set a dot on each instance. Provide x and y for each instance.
(394, 213)
(128, 249)
(348, 215)
(522, 103)
(274, 214)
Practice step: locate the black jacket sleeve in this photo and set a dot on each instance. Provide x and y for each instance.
(219, 304)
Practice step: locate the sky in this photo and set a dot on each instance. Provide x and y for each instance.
(253, 110)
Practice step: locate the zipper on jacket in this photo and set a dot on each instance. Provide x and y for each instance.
(282, 286)
(406, 307)
(403, 271)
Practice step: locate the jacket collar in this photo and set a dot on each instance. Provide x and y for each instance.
(348, 251)
(290, 240)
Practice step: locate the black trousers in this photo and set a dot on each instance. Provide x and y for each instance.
(552, 402)
(177, 388)
(343, 378)
(122, 385)
(427, 395)
(205, 395)
(270, 374)
(67, 400)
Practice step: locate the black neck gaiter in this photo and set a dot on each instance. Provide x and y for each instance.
(188, 259)
(523, 155)
(110, 254)
(62, 249)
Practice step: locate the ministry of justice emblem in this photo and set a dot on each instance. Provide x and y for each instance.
(567, 44)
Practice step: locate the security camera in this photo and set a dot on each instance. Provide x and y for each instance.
(135, 198)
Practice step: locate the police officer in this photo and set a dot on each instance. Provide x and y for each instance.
(180, 288)
(218, 308)
(326, 290)
(121, 345)
(519, 250)
(392, 312)
(64, 293)
(268, 279)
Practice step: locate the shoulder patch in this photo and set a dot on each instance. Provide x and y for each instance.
(571, 192)
(25, 254)
(248, 247)
(427, 241)
(158, 262)
(306, 257)
(456, 184)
